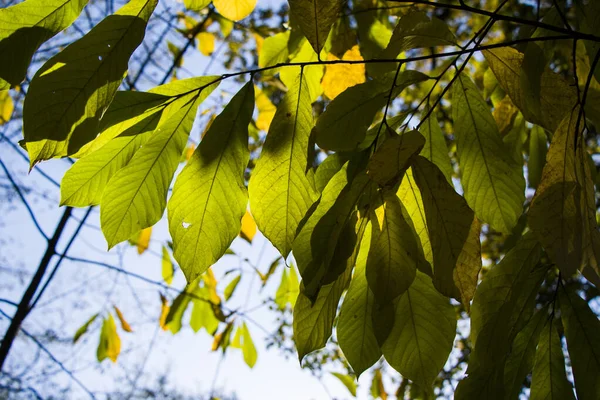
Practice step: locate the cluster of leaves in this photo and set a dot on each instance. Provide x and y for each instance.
(392, 217)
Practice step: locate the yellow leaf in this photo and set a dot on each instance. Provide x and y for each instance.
(504, 114)
(248, 227)
(266, 110)
(189, 151)
(6, 107)
(339, 77)
(259, 42)
(164, 311)
(143, 240)
(207, 43)
(110, 343)
(124, 324)
(234, 9)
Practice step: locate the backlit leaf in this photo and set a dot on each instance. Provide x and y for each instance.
(435, 149)
(347, 381)
(143, 240)
(355, 331)
(389, 162)
(209, 197)
(207, 43)
(248, 227)
(280, 191)
(64, 102)
(110, 343)
(167, 268)
(202, 311)
(453, 232)
(312, 74)
(25, 26)
(248, 348)
(84, 328)
(6, 106)
(288, 289)
(231, 286)
(274, 51)
(266, 110)
(315, 17)
(235, 10)
(196, 5)
(124, 324)
(493, 182)
(423, 333)
(339, 77)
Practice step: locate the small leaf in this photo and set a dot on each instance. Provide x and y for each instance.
(207, 43)
(25, 27)
(168, 269)
(493, 182)
(423, 333)
(347, 381)
(339, 77)
(280, 191)
(581, 330)
(355, 330)
(110, 343)
(315, 18)
(248, 227)
(201, 228)
(266, 109)
(6, 106)
(235, 10)
(248, 348)
(538, 148)
(174, 318)
(64, 102)
(549, 380)
(124, 324)
(84, 328)
(203, 315)
(230, 289)
(164, 312)
(143, 240)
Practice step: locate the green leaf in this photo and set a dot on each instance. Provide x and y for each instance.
(280, 191)
(312, 74)
(537, 155)
(389, 162)
(347, 381)
(274, 51)
(587, 15)
(65, 102)
(555, 214)
(110, 343)
(327, 239)
(175, 316)
(522, 355)
(84, 328)
(231, 287)
(288, 289)
(315, 18)
(374, 29)
(415, 30)
(504, 301)
(313, 321)
(581, 330)
(355, 330)
(343, 125)
(423, 333)
(248, 348)
(453, 231)
(488, 385)
(25, 26)
(125, 208)
(557, 96)
(549, 379)
(328, 168)
(168, 270)
(203, 315)
(393, 254)
(493, 182)
(435, 149)
(209, 198)
(196, 5)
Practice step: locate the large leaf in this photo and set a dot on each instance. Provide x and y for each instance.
(343, 125)
(355, 330)
(312, 74)
(581, 330)
(25, 26)
(555, 215)
(435, 149)
(522, 355)
(280, 191)
(327, 239)
(313, 322)
(504, 301)
(493, 182)
(557, 96)
(209, 197)
(423, 333)
(315, 18)
(453, 232)
(125, 208)
(65, 102)
(549, 380)
(393, 254)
